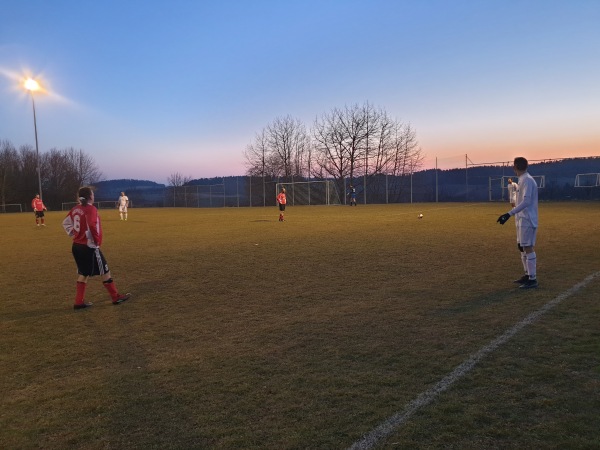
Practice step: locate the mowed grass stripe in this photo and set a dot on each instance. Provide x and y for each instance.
(390, 425)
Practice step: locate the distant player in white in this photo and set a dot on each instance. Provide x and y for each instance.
(513, 188)
(123, 203)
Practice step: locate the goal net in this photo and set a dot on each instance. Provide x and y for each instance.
(110, 204)
(540, 180)
(498, 186)
(497, 189)
(587, 180)
(104, 204)
(11, 207)
(310, 193)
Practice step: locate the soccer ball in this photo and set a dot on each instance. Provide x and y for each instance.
(420, 216)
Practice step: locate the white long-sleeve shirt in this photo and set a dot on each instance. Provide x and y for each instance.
(526, 211)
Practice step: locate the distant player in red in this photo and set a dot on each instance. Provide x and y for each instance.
(83, 225)
(281, 201)
(38, 208)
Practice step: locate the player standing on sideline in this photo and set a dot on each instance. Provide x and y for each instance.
(83, 225)
(281, 201)
(513, 188)
(38, 208)
(352, 194)
(123, 203)
(526, 216)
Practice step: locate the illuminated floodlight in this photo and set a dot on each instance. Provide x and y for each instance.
(31, 85)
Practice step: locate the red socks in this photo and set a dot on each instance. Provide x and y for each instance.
(80, 293)
(108, 284)
(111, 288)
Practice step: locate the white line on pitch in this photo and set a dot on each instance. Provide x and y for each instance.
(386, 428)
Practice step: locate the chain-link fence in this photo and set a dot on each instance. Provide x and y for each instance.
(566, 179)
(468, 184)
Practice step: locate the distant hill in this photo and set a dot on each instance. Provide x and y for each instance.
(140, 192)
(478, 183)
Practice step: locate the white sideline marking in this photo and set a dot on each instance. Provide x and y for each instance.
(387, 427)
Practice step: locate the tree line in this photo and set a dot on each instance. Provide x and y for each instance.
(345, 143)
(62, 173)
(357, 141)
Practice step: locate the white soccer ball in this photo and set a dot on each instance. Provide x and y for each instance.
(420, 216)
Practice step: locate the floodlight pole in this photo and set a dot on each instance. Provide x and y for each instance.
(37, 150)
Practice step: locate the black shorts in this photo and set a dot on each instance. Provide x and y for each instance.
(90, 261)
(39, 214)
(282, 207)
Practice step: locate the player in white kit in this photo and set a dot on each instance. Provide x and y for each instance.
(123, 203)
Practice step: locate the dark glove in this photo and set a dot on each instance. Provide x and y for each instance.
(503, 218)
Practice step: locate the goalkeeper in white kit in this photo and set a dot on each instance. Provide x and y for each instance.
(526, 215)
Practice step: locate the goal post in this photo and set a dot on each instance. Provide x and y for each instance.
(540, 180)
(103, 204)
(66, 206)
(587, 180)
(110, 204)
(11, 208)
(322, 192)
(498, 185)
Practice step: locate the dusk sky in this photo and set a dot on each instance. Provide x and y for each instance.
(149, 88)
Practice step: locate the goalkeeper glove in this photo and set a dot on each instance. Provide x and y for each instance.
(503, 218)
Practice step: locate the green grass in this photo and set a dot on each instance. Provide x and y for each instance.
(244, 332)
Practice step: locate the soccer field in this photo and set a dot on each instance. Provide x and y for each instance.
(244, 332)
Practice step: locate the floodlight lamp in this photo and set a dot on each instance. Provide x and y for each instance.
(32, 85)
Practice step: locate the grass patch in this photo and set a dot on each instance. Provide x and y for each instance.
(244, 332)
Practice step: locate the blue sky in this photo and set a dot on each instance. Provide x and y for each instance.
(150, 88)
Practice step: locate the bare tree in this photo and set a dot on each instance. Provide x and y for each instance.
(84, 166)
(379, 143)
(65, 171)
(258, 160)
(59, 176)
(257, 156)
(9, 173)
(62, 173)
(27, 183)
(287, 139)
(302, 149)
(350, 142)
(406, 155)
(330, 147)
(280, 149)
(363, 141)
(342, 140)
(177, 179)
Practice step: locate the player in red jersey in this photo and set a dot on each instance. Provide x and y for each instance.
(38, 208)
(281, 201)
(83, 225)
